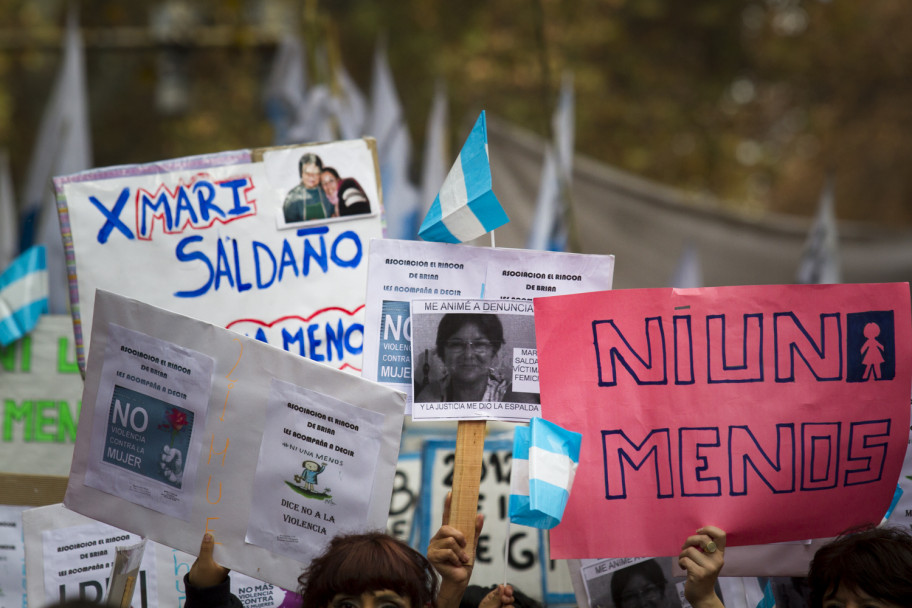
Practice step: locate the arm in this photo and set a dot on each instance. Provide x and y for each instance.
(447, 554)
(207, 583)
(703, 564)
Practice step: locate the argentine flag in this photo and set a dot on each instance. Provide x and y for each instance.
(545, 458)
(23, 294)
(466, 207)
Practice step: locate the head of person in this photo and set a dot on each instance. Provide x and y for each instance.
(310, 167)
(641, 585)
(468, 343)
(872, 566)
(330, 179)
(373, 568)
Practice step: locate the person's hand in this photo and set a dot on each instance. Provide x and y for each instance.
(447, 549)
(702, 557)
(501, 595)
(205, 571)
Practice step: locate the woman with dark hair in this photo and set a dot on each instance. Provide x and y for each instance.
(368, 570)
(641, 585)
(468, 344)
(870, 567)
(346, 195)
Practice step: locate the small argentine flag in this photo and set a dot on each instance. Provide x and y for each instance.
(23, 294)
(545, 458)
(466, 207)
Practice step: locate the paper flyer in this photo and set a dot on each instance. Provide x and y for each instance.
(474, 359)
(205, 444)
(315, 470)
(402, 271)
(269, 242)
(12, 557)
(78, 562)
(142, 448)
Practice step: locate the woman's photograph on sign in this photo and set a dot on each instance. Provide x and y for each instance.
(644, 584)
(323, 183)
(464, 351)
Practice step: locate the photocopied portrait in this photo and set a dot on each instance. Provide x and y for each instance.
(464, 356)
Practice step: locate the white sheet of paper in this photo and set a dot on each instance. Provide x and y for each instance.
(315, 470)
(141, 448)
(78, 561)
(235, 420)
(402, 271)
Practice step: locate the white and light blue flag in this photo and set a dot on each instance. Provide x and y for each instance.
(466, 207)
(545, 457)
(23, 294)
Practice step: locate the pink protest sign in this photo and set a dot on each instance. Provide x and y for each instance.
(776, 412)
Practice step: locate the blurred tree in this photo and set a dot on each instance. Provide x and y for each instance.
(752, 101)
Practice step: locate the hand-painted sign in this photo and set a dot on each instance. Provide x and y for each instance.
(40, 394)
(741, 407)
(248, 240)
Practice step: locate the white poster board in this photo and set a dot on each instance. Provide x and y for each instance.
(403, 271)
(207, 236)
(189, 428)
(40, 393)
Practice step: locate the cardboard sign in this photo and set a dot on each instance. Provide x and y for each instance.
(402, 271)
(241, 239)
(188, 428)
(741, 407)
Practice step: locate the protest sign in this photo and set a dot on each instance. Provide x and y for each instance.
(40, 390)
(12, 557)
(402, 271)
(476, 360)
(736, 406)
(70, 538)
(404, 501)
(528, 568)
(247, 240)
(183, 419)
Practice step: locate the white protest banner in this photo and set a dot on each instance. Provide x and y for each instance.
(40, 392)
(12, 557)
(476, 359)
(248, 240)
(540, 578)
(402, 271)
(181, 418)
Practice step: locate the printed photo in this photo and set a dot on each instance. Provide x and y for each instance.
(469, 357)
(322, 183)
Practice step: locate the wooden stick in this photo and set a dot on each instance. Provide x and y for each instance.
(470, 436)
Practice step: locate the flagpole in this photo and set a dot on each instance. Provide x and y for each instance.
(493, 243)
(506, 552)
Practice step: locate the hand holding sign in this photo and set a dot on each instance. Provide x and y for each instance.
(702, 558)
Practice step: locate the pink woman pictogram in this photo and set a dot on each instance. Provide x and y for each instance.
(872, 351)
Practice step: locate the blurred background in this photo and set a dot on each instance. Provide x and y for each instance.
(749, 104)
